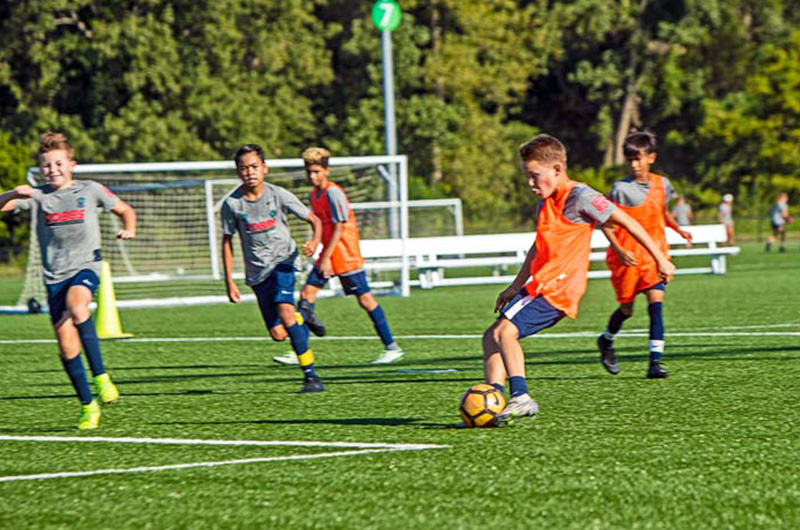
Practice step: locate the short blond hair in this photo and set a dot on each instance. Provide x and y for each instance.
(545, 149)
(317, 156)
(51, 141)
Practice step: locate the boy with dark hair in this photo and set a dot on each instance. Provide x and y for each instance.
(341, 256)
(65, 212)
(257, 210)
(645, 197)
(558, 263)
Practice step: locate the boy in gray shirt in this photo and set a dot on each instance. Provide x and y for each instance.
(779, 218)
(65, 212)
(258, 212)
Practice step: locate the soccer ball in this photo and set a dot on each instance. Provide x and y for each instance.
(481, 404)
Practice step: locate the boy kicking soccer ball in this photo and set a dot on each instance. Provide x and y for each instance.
(341, 256)
(644, 196)
(558, 262)
(257, 211)
(65, 212)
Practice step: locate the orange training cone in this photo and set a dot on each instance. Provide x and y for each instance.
(107, 321)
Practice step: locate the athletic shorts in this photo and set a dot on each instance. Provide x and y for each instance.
(278, 288)
(630, 281)
(531, 315)
(57, 292)
(353, 284)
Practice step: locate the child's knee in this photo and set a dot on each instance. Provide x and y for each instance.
(278, 333)
(626, 309)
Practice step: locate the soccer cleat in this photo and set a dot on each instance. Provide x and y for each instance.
(289, 358)
(311, 384)
(106, 389)
(90, 416)
(656, 371)
(388, 356)
(608, 357)
(518, 407)
(314, 323)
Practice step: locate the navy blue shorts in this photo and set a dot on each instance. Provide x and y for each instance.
(657, 287)
(278, 288)
(531, 315)
(355, 284)
(57, 292)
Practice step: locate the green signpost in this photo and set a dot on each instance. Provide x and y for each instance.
(386, 15)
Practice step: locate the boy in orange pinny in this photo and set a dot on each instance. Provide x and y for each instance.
(558, 263)
(645, 197)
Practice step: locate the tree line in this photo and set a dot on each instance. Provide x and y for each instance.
(154, 80)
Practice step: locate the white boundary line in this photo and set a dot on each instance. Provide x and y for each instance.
(363, 448)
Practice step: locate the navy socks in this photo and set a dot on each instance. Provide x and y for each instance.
(656, 331)
(91, 346)
(381, 325)
(518, 385)
(298, 335)
(77, 376)
(615, 324)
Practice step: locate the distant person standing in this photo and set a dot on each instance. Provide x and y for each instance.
(682, 212)
(725, 216)
(779, 218)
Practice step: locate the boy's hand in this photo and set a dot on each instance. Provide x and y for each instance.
(126, 234)
(326, 268)
(309, 247)
(24, 191)
(505, 297)
(666, 270)
(685, 234)
(627, 257)
(233, 293)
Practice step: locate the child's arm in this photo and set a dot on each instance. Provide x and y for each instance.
(325, 265)
(665, 269)
(627, 257)
(227, 264)
(519, 281)
(674, 225)
(7, 199)
(310, 246)
(128, 215)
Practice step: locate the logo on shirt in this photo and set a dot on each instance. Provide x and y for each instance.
(69, 217)
(600, 203)
(81, 202)
(261, 226)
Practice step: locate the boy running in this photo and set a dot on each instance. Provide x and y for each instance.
(558, 262)
(341, 256)
(257, 211)
(779, 218)
(65, 212)
(645, 197)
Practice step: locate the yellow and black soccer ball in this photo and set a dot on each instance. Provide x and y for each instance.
(480, 405)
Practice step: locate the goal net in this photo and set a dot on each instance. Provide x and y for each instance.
(175, 258)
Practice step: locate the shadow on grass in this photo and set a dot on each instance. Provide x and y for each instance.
(390, 422)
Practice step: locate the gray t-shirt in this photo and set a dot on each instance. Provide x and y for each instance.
(67, 227)
(585, 205)
(778, 213)
(630, 193)
(726, 214)
(682, 214)
(263, 229)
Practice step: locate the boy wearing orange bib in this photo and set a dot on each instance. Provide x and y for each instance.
(341, 256)
(557, 264)
(644, 196)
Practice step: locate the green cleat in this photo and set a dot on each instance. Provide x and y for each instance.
(90, 416)
(106, 389)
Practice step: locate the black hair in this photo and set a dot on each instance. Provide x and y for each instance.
(249, 148)
(637, 142)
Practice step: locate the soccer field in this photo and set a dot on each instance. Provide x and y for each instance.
(715, 445)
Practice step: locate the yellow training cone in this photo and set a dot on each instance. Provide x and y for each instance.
(107, 321)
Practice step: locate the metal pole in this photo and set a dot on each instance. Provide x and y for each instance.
(389, 124)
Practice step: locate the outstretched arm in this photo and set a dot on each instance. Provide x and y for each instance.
(519, 281)
(7, 199)
(627, 257)
(672, 223)
(128, 215)
(665, 269)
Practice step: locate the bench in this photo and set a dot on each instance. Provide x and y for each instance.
(431, 257)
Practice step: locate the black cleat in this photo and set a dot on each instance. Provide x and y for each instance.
(311, 384)
(608, 357)
(656, 371)
(314, 323)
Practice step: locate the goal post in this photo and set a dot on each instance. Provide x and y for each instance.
(175, 258)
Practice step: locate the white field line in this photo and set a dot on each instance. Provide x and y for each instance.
(365, 448)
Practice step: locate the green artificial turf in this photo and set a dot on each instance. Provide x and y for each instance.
(714, 446)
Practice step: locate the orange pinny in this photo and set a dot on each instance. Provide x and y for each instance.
(562, 255)
(630, 281)
(346, 256)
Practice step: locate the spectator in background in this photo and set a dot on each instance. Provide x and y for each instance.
(725, 216)
(682, 212)
(779, 218)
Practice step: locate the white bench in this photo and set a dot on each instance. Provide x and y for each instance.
(503, 253)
